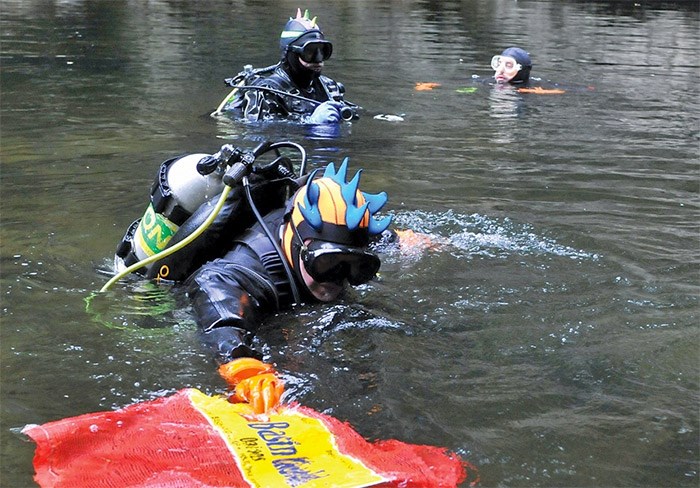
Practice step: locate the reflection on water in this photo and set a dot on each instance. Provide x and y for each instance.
(144, 304)
(550, 336)
(504, 102)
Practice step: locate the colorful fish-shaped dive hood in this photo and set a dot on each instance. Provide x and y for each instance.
(332, 209)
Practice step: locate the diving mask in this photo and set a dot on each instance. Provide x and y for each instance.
(313, 51)
(329, 262)
(508, 64)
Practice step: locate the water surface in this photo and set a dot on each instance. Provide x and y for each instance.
(551, 339)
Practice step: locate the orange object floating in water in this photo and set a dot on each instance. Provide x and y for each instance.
(538, 90)
(425, 86)
(409, 239)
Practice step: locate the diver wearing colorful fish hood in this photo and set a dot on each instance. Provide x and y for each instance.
(513, 66)
(329, 225)
(323, 233)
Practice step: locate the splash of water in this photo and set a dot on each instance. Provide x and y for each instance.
(480, 235)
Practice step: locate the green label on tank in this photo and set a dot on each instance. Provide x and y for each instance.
(154, 231)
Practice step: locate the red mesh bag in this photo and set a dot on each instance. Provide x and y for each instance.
(191, 440)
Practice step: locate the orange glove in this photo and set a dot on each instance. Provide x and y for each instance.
(254, 383)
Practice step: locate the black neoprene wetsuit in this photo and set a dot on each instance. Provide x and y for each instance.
(261, 104)
(230, 295)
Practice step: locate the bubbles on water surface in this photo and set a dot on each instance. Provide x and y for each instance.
(479, 235)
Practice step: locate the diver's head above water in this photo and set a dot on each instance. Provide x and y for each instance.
(329, 225)
(512, 66)
(304, 48)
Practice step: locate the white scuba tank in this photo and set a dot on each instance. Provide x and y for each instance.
(178, 191)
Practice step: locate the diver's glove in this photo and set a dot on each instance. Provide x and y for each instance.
(254, 382)
(326, 113)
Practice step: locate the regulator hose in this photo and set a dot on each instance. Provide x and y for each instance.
(348, 112)
(244, 75)
(170, 250)
(273, 241)
(228, 97)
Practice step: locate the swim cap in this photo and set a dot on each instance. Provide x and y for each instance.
(523, 59)
(332, 210)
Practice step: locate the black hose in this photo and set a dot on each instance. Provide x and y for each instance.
(346, 113)
(273, 241)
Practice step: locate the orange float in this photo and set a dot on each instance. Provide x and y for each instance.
(538, 90)
(426, 86)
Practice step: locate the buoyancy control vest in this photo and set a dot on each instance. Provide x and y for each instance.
(322, 89)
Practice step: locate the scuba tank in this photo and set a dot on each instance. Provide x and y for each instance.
(198, 201)
(178, 191)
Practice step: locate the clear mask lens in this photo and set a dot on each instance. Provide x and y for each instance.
(505, 63)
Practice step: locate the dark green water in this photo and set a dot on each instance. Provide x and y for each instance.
(552, 342)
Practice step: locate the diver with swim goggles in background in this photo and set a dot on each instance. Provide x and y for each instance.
(512, 66)
(294, 88)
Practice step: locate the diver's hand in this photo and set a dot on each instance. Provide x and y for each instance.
(254, 383)
(262, 392)
(326, 113)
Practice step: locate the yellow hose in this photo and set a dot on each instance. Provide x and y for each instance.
(228, 97)
(170, 250)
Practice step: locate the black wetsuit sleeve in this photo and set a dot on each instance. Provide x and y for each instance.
(229, 297)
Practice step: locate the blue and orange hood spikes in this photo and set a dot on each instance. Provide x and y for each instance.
(332, 209)
(324, 206)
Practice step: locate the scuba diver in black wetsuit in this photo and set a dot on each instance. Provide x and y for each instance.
(323, 232)
(512, 66)
(306, 248)
(293, 89)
